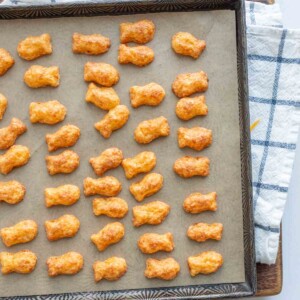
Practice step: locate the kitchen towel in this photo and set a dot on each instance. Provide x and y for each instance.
(274, 99)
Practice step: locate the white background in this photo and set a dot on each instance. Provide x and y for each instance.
(291, 220)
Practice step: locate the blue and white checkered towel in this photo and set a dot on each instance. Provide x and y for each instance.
(274, 95)
(274, 76)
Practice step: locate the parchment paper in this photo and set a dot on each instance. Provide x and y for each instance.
(219, 61)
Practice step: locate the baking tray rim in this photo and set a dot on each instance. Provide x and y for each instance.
(111, 7)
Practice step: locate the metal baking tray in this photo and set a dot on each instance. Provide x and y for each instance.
(200, 289)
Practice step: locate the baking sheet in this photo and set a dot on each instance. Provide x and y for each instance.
(219, 61)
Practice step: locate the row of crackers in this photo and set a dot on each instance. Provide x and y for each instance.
(140, 32)
(113, 268)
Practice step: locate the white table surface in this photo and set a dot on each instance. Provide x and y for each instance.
(291, 218)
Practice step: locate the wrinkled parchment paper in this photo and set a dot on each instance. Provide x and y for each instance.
(219, 61)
